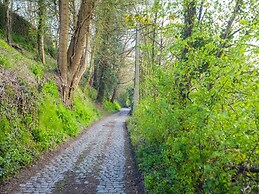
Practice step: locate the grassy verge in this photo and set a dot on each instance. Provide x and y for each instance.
(111, 107)
(32, 117)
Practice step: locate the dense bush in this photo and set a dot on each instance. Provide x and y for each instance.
(125, 99)
(17, 147)
(91, 92)
(206, 141)
(201, 147)
(111, 107)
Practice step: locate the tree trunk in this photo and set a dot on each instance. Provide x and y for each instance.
(136, 80)
(101, 86)
(114, 93)
(74, 15)
(41, 27)
(154, 34)
(83, 63)
(72, 65)
(91, 65)
(227, 31)
(95, 81)
(63, 42)
(189, 21)
(8, 20)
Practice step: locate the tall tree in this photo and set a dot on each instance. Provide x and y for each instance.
(137, 64)
(8, 19)
(205, 87)
(73, 11)
(71, 62)
(63, 42)
(110, 33)
(189, 8)
(41, 29)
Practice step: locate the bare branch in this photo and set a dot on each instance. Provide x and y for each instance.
(230, 22)
(200, 12)
(232, 18)
(241, 168)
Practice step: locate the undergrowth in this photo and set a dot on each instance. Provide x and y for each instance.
(111, 106)
(208, 142)
(23, 136)
(32, 116)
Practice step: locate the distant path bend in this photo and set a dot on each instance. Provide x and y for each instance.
(96, 163)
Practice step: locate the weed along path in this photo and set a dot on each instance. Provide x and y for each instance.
(100, 161)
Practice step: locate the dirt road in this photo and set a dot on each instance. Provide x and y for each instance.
(100, 161)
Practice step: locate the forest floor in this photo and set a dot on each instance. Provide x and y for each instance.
(100, 160)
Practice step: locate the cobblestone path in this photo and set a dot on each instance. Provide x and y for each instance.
(94, 164)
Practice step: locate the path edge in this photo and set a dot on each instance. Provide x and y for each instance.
(12, 183)
(134, 172)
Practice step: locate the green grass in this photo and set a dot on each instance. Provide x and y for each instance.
(4, 61)
(111, 107)
(27, 43)
(32, 117)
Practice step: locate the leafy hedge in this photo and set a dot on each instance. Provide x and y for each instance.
(111, 107)
(208, 142)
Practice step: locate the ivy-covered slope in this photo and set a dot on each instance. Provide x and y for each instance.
(32, 117)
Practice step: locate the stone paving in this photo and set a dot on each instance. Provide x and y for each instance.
(111, 174)
(98, 154)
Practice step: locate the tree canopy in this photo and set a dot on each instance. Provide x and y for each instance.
(195, 80)
(196, 128)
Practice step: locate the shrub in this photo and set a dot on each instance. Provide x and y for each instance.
(28, 43)
(4, 61)
(111, 107)
(198, 146)
(83, 109)
(51, 89)
(67, 117)
(49, 130)
(51, 50)
(16, 147)
(37, 71)
(91, 92)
